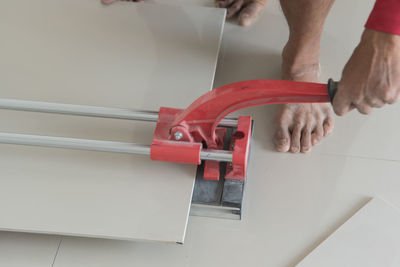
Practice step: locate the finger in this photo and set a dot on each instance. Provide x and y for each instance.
(295, 138)
(282, 139)
(391, 97)
(364, 108)
(223, 3)
(112, 1)
(234, 8)
(375, 102)
(328, 125)
(250, 13)
(341, 102)
(108, 1)
(318, 133)
(306, 140)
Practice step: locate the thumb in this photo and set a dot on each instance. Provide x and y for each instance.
(341, 103)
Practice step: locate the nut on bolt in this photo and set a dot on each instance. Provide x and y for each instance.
(178, 135)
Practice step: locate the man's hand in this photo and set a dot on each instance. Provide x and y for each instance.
(247, 10)
(112, 1)
(371, 78)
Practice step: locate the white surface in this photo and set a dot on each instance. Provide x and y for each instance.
(371, 238)
(293, 202)
(126, 56)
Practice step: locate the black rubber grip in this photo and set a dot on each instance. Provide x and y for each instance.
(332, 89)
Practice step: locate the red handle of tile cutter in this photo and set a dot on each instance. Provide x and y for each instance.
(208, 110)
(332, 89)
(185, 131)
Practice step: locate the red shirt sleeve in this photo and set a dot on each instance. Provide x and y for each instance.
(385, 17)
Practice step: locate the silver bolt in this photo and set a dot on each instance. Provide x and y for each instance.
(178, 135)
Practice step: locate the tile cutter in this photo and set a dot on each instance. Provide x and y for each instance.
(200, 135)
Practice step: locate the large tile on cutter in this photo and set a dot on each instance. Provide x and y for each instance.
(124, 55)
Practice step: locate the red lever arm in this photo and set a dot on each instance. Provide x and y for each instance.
(200, 119)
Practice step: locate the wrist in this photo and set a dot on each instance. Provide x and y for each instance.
(380, 39)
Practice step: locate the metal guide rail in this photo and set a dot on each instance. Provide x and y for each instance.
(93, 145)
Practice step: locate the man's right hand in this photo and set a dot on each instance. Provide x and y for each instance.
(371, 78)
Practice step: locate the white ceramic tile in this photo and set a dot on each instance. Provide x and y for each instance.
(22, 250)
(371, 238)
(125, 55)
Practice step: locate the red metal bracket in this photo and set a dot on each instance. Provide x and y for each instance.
(180, 134)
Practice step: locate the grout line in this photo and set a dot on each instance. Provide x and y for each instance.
(356, 156)
(55, 255)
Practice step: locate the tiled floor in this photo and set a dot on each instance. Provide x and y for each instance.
(21, 250)
(293, 202)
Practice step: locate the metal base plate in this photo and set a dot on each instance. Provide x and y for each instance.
(218, 199)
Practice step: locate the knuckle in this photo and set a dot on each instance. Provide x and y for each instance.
(358, 96)
(388, 95)
(374, 102)
(364, 110)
